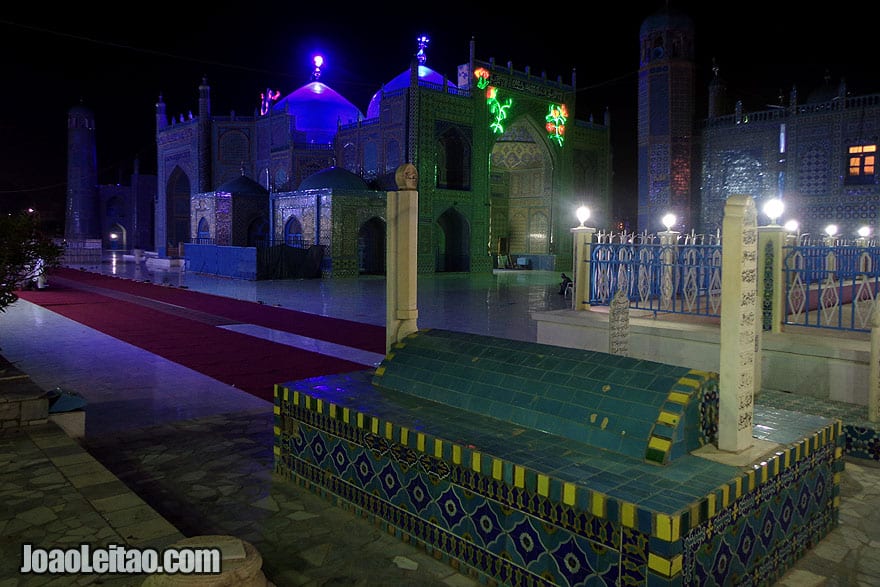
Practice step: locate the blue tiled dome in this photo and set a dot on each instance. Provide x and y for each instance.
(334, 178)
(319, 110)
(243, 186)
(426, 74)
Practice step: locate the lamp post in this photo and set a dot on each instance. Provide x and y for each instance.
(582, 236)
(830, 258)
(668, 244)
(773, 209)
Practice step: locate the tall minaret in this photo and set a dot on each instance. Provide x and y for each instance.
(204, 126)
(82, 218)
(666, 120)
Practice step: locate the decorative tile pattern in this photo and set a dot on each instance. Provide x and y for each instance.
(518, 505)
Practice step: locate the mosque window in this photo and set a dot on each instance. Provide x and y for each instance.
(293, 233)
(453, 160)
(861, 163)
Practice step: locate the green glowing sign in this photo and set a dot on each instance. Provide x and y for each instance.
(557, 116)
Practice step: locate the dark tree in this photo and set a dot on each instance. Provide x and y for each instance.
(25, 252)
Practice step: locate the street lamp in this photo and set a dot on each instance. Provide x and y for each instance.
(583, 214)
(669, 221)
(773, 209)
(831, 230)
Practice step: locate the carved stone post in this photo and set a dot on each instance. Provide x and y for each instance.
(402, 210)
(739, 376)
(583, 238)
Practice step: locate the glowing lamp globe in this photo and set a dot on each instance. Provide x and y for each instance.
(831, 229)
(583, 214)
(773, 209)
(792, 226)
(669, 221)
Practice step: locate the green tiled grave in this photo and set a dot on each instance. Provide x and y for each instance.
(640, 409)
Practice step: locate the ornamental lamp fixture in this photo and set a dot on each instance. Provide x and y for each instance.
(773, 209)
(583, 214)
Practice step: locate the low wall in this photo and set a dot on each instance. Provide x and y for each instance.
(235, 262)
(822, 365)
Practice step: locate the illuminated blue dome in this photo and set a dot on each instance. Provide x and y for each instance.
(426, 74)
(319, 110)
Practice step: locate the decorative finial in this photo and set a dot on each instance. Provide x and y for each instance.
(423, 44)
(318, 60)
(714, 68)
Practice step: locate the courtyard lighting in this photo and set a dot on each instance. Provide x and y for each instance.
(864, 231)
(792, 226)
(583, 214)
(773, 209)
(669, 221)
(831, 230)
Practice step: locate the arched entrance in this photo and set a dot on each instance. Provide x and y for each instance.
(371, 247)
(117, 238)
(258, 232)
(453, 242)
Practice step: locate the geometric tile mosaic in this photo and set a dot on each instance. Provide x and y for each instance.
(516, 505)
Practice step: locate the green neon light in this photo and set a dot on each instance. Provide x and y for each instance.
(557, 116)
(497, 109)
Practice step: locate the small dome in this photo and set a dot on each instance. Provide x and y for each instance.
(243, 186)
(426, 74)
(334, 178)
(319, 110)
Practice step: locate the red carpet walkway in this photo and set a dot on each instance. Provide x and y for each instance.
(249, 363)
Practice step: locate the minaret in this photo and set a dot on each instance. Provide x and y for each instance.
(204, 129)
(82, 220)
(666, 120)
(717, 94)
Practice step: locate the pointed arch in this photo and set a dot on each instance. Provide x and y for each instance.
(371, 247)
(453, 160)
(453, 242)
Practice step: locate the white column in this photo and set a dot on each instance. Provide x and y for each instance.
(740, 341)
(874, 372)
(582, 237)
(402, 209)
(668, 244)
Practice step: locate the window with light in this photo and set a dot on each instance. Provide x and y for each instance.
(862, 160)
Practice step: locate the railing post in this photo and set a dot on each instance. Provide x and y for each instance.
(771, 276)
(874, 373)
(583, 238)
(668, 246)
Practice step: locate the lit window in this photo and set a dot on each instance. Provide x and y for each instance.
(861, 160)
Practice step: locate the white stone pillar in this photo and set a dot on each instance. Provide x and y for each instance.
(771, 238)
(402, 210)
(740, 340)
(583, 238)
(874, 373)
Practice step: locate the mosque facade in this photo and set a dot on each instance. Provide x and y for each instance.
(503, 162)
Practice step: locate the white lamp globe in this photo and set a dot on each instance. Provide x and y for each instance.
(583, 214)
(831, 229)
(669, 221)
(773, 209)
(792, 226)
(864, 231)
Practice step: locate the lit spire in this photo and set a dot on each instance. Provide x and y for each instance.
(318, 60)
(423, 44)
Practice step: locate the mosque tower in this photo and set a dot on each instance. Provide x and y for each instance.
(82, 214)
(666, 141)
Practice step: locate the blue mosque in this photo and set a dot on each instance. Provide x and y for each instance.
(297, 186)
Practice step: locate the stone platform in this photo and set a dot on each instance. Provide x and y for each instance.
(428, 448)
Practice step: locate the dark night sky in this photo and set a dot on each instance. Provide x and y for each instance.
(119, 62)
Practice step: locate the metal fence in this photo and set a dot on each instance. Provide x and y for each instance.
(824, 285)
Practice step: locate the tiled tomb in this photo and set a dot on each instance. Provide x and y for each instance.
(529, 464)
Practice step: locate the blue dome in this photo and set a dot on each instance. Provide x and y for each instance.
(426, 74)
(243, 186)
(319, 110)
(334, 178)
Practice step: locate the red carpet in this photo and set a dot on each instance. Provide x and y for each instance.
(367, 337)
(249, 363)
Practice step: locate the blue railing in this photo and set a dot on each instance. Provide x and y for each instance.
(831, 286)
(823, 285)
(670, 278)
